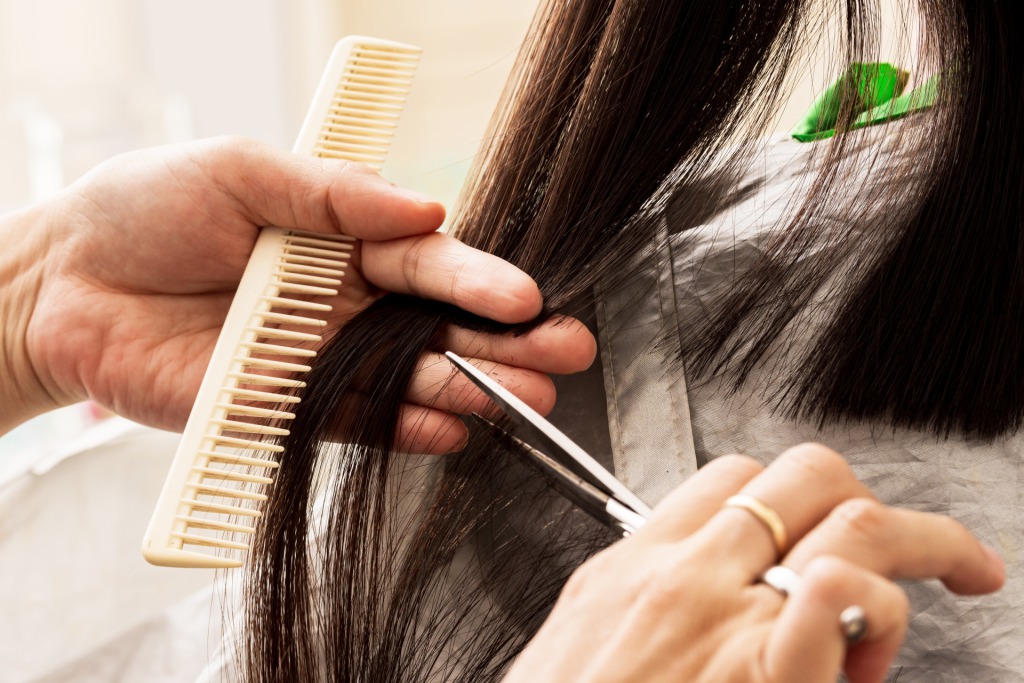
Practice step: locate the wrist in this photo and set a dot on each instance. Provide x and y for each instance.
(23, 393)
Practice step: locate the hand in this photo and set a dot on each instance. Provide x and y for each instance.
(121, 284)
(680, 600)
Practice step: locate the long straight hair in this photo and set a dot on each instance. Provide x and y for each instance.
(408, 572)
(923, 328)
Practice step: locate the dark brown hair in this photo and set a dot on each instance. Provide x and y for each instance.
(612, 107)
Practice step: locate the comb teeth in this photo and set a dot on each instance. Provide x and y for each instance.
(218, 470)
(363, 112)
(230, 440)
(228, 454)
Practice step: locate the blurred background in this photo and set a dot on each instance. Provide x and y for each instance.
(84, 80)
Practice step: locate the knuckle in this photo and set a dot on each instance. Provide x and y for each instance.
(456, 263)
(223, 158)
(589, 575)
(862, 516)
(670, 582)
(828, 575)
(232, 146)
(623, 573)
(737, 464)
(543, 393)
(822, 463)
(412, 262)
(835, 581)
(663, 591)
(357, 168)
(482, 345)
(504, 349)
(458, 289)
(954, 531)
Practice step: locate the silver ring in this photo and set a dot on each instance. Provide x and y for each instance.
(782, 579)
(853, 622)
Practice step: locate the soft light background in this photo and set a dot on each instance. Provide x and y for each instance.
(84, 80)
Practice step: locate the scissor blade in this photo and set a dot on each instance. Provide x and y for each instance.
(526, 417)
(588, 498)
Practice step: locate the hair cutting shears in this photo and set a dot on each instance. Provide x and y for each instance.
(572, 471)
(584, 481)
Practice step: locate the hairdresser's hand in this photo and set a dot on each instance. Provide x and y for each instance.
(117, 289)
(680, 600)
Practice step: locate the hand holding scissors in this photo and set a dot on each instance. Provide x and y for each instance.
(743, 573)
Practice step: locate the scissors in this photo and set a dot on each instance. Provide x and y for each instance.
(581, 479)
(573, 472)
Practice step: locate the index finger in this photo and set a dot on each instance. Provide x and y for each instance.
(903, 544)
(440, 267)
(277, 188)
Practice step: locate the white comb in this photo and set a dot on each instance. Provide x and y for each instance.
(208, 508)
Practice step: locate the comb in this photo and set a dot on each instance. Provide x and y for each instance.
(209, 507)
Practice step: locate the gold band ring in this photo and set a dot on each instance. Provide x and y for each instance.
(770, 518)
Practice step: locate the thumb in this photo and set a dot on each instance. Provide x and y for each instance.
(275, 187)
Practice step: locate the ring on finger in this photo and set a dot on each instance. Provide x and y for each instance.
(764, 514)
(853, 622)
(782, 579)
